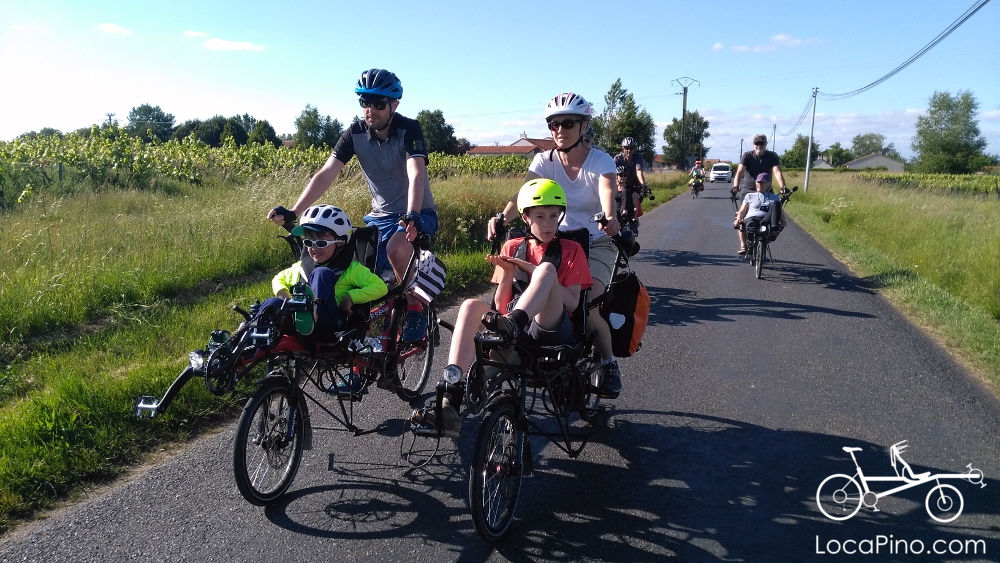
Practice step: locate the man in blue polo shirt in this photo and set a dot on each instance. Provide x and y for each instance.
(393, 158)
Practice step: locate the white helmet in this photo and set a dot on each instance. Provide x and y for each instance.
(326, 218)
(568, 103)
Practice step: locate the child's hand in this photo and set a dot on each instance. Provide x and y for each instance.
(522, 265)
(346, 303)
(500, 261)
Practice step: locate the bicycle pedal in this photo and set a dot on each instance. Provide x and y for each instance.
(608, 395)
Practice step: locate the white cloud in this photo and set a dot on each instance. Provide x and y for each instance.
(113, 29)
(223, 45)
(717, 46)
(195, 34)
(781, 40)
(989, 115)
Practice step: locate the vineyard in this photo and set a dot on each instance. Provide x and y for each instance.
(955, 183)
(109, 157)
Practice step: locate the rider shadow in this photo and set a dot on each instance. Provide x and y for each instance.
(703, 488)
(679, 307)
(685, 258)
(784, 271)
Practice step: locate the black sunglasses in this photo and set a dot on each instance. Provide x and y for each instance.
(379, 105)
(760, 143)
(565, 124)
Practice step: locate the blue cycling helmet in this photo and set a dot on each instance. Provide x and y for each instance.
(378, 82)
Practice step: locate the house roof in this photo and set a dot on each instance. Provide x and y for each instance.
(870, 157)
(545, 144)
(517, 149)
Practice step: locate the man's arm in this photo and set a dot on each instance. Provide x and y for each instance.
(317, 186)
(739, 175)
(741, 213)
(779, 176)
(639, 174)
(416, 173)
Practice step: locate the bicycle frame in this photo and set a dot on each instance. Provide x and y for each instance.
(909, 483)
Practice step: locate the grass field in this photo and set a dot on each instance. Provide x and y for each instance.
(934, 253)
(106, 292)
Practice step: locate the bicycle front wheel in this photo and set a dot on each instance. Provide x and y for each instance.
(268, 445)
(495, 479)
(839, 497)
(944, 503)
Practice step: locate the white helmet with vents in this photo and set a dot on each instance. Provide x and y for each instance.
(568, 103)
(325, 218)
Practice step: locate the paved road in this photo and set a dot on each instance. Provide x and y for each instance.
(734, 411)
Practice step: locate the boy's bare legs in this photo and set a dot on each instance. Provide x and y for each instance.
(463, 348)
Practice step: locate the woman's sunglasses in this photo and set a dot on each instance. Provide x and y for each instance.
(565, 124)
(379, 105)
(320, 243)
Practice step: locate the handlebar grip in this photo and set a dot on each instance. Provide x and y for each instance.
(499, 234)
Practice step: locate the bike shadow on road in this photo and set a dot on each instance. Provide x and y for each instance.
(704, 488)
(651, 485)
(680, 307)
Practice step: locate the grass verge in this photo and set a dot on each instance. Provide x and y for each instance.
(935, 255)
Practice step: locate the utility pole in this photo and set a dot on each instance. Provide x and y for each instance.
(741, 151)
(809, 148)
(774, 140)
(684, 82)
(110, 115)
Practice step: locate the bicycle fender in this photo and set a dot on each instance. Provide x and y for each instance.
(300, 403)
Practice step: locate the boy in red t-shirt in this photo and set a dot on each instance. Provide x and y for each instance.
(537, 297)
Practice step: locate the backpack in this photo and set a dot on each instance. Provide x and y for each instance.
(627, 312)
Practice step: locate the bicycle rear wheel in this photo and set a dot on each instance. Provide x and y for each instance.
(839, 497)
(416, 358)
(268, 445)
(495, 479)
(760, 251)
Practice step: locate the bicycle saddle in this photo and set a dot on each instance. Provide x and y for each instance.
(849, 449)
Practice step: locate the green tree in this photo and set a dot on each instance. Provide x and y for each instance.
(233, 129)
(795, 157)
(263, 134)
(313, 129)
(210, 132)
(948, 140)
(837, 155)
(621, 118)
(439, 136)
(463, 146)
(870, 143)
(247, 121)
(696, 131)
(146, 118)
(185, 129)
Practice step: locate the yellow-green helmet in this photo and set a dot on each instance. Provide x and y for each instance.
(538, 192)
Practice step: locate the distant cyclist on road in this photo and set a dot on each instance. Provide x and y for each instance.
(393, 158)
(753, 163)
(630, 159)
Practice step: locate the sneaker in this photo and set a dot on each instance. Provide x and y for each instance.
(353, 387)
(414, 327)
(501, 324)
(611, 380)
(452, 420)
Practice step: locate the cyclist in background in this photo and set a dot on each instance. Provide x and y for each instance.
(754, 163)
(635, 180)
(393, 158)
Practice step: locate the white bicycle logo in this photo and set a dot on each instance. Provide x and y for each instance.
(840, 496)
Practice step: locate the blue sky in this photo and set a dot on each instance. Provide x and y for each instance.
(491, 66)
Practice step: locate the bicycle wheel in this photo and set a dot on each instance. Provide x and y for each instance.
(495, 479)
(591, 371)
(839, 497)
(267, 453)
(760, 251)
(416, 358)
(944, 503)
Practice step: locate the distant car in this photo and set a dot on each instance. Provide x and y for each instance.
(721, 172)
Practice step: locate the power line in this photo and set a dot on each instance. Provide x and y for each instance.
(802, 117)
(954, 25)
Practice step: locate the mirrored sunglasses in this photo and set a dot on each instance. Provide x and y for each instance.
(321, 243)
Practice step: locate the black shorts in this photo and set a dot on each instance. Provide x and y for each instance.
(562, 334)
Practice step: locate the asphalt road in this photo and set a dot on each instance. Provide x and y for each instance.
(735, 409)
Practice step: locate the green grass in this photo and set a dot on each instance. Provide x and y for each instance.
(936, 255)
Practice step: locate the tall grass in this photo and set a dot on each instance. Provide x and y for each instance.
(937, 254)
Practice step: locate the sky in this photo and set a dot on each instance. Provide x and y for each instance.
(490, 67)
